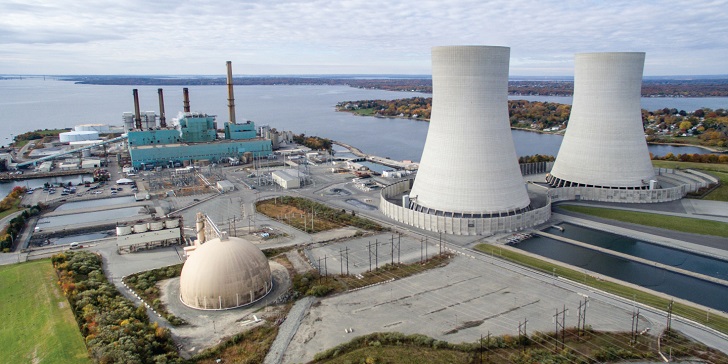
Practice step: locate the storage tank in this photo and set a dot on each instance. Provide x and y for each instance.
(123, 230)
(76, 136)
(140, 228)
(101, 128)
(171, 224)
(156, 225)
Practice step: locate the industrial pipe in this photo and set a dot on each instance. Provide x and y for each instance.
(186, 99)
(231, 98)
(162, 118)
(137, 114)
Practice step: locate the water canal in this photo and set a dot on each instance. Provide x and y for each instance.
(706, 293)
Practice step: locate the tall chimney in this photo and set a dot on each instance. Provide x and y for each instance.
(137, 115)
(231, 98)
(162, 118)
(186, 99)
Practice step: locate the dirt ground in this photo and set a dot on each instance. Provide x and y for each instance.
(208, 328)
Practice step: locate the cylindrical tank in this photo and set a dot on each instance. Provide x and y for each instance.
(140, 228)
(469, 163)
(123, 230)
(156, 225)
(604, 144)
(171, 224)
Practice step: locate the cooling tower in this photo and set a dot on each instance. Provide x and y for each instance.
(604, 144)
(469, 165)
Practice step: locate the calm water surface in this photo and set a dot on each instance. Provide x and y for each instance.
(692, 289)
(310, 110)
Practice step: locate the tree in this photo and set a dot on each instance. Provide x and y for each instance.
(685, 125)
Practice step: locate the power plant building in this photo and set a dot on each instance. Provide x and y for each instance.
(604, 144)
(192, 137)
(469, 181)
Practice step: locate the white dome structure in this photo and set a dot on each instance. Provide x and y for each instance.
(224, 274)
(469, 165)
(604, 145)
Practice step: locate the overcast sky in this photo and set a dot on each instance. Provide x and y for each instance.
(178, 37)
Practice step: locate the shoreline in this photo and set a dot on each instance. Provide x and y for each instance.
(716, 151)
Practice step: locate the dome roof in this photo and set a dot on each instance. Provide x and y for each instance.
(225, 274)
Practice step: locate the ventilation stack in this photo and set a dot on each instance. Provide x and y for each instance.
(604, 145)
(186, 99)
(231, 97)
(137, 114)
(162, 118)
(469, 166)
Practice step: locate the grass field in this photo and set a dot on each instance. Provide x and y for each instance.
(37, 323)
(677, 223)
(717, 322)
(718, 170)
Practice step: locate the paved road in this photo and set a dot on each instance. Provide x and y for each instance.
(691, 329)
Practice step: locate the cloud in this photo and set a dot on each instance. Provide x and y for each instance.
(358, 36)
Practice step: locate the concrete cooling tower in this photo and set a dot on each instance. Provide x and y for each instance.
(469, 164)
(604, 145)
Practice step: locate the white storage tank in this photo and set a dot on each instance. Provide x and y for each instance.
(101, 128)
(123, 230)
(75, 136)
(140, 228)
(171, 224)
(156, 225)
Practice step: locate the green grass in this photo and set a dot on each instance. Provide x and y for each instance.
(676, 223)
(37, 323)
(718, 170)
(717, 322)
(16, 207)
(364, 112)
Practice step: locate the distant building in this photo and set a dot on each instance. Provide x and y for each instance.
(287, 178)
(225, 186)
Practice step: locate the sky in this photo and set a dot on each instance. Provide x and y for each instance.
(284, 37)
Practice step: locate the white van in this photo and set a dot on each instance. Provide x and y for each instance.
(75, 246)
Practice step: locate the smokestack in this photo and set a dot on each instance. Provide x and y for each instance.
(186, 99)
(162, 118)
(231, 98)
(137, 115)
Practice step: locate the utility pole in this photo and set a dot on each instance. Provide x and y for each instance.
(399, 242)
(369, 249)
(341, 262)
(392, 249)
(421, 242)
(559, 324)
(347, 260)
(376, 253)
(440, 242)
(522, 334)
(635, 324)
